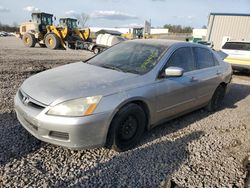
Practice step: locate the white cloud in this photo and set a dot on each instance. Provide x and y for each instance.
(31, 9)
(189, 17)
(4, 9)
(112, 15)
(70, 12)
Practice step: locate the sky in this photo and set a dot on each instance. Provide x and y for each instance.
(124, 13)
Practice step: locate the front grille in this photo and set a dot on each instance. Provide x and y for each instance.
(35, 105)
(28, 101)
(59, 135)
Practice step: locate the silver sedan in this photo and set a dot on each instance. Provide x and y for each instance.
(112, 98)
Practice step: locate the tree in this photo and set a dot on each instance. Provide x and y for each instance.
(15, 24)
(82, 18)
(178, 28)
(204, 27)
(7, 28)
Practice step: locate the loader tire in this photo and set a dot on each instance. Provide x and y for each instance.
(52, 41)
(29, 40)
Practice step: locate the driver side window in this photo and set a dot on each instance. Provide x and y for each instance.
(182, 58)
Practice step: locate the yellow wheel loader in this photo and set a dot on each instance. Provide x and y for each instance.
(34, 31)
(42, 31)
(74, 35)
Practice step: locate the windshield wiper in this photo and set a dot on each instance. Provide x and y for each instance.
(111, 67)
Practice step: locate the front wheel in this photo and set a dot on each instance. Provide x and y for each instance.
(126, 128)
(217, 98)
(52, 41)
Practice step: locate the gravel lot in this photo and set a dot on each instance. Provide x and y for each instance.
(196, 150)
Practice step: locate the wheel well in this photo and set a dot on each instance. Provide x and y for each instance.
(140, 103)
(223, 84)
(145, 108)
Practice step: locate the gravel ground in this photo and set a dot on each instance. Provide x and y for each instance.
(197, 150)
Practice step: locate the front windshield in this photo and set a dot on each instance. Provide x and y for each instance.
(74, 24)
(133, 57)
(46, 20)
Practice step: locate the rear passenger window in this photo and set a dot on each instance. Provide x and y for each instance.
(204, 58)
(182, 58)
(237, 46)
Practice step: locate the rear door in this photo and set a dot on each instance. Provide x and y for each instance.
(207, 75)
(177, 94)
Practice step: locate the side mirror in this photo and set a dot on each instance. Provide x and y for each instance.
(174, 72)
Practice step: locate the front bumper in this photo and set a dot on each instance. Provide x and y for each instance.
(70, 132)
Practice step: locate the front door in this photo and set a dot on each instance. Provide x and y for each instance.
(177, 94)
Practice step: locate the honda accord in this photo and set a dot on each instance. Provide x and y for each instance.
(112, 98)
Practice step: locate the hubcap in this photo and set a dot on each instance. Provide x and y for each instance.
(27, 40)
(128, 128)
(50, 41)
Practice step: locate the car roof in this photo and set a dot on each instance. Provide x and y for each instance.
(167, 42)
(163, 42)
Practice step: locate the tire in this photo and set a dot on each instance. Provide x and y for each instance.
(96, 50)
(29, 40)
(217, 98)
(52, 41)
(126, 128)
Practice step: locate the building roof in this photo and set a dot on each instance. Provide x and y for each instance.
(112, 32)
(229, 14)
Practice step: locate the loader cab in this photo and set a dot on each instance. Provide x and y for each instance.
(42, 19)
(138, 32)
(71, 23)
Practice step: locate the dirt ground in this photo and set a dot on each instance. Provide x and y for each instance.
(197, 150)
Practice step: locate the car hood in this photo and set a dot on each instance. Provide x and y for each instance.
(75, 81)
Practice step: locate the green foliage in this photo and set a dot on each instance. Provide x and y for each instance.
(178, 28)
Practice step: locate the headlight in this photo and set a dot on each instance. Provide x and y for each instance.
(76, 107)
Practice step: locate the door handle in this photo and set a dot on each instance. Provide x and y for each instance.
(193, 79)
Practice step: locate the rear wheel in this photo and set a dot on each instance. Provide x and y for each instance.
(52, 41)
(216, 100)
(29, 40)
(96, 50)
(126, 128)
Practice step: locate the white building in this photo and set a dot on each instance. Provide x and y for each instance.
(128, 30)
(200, 33)
(158, 31)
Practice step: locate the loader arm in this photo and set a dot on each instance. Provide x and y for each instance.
(83, 34)
(61, 33)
